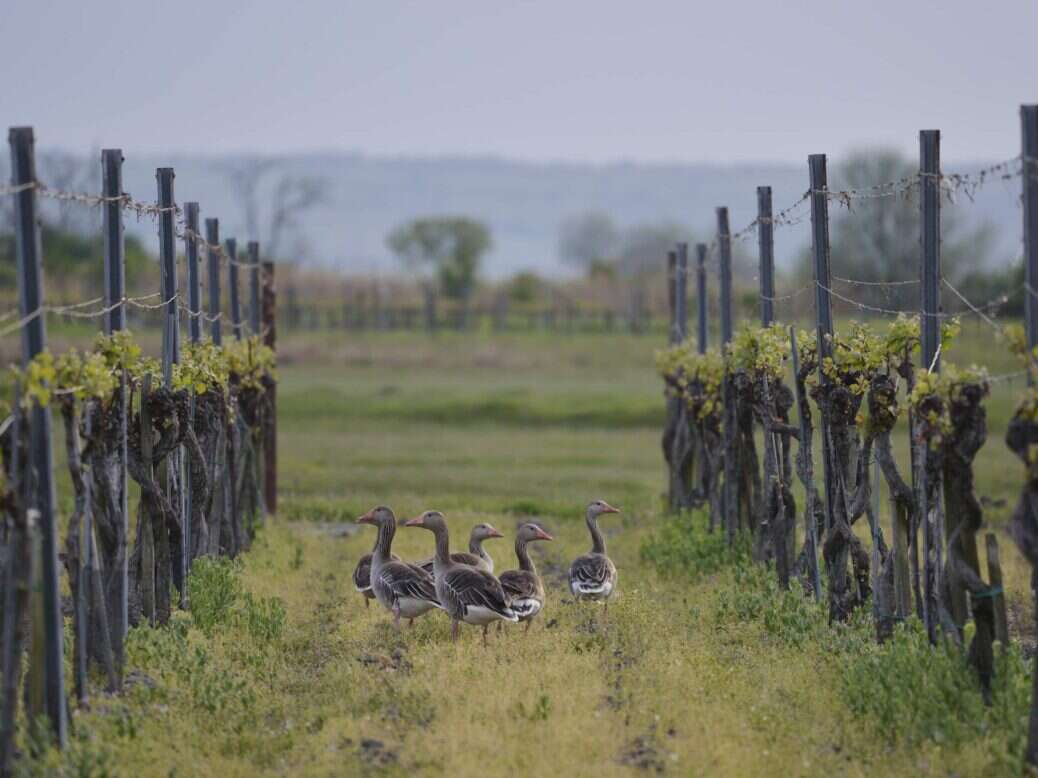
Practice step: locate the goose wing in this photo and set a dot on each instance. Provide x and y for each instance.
(460, 557)
(469, 587)
(592, 574)
(518, 584)
(362, 574)
(405, 580)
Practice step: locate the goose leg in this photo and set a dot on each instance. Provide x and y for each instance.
(410, 623)
(454, 631)
(367, 603)
(528, 623)
(396, 617)
(486, 628)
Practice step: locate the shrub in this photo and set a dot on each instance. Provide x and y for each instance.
(905, 689)
(213, 590)
(910, 691)
(680, 548)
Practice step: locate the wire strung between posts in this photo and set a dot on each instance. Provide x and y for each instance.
(200, 314)
(855, 282)
(997, 379)
(193, 235)
(991, 322)
(73, 310)
(785, 297)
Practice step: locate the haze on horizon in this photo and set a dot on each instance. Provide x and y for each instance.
(572, 81)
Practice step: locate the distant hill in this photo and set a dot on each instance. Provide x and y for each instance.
(523, 202)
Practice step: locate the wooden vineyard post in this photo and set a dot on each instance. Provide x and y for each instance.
(212, 254)
(701, 299)
(270, 444)
(681, 295)
(254, 287)
(147, 539)
(823, 303)
(115, 321)
(676, 439)
(929, 507)
(194, 281)
(1029, 132)
(41, 495)
(672, 286)
(730, 497)
(811, 525)
(997, 594)
(174, 463)
(231, 248)
(194, 324)
(766, 243)
(1022, 524)
(672, 413)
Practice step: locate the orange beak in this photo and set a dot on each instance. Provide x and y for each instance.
(367, 518)
(542, 535)
(493, 533)
(417, 521)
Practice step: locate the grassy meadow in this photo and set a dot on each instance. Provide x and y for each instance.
(281, 669)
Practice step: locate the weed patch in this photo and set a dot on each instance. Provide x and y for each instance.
(680, 547)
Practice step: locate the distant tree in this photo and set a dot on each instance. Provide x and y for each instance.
(273, 201)
(878, 239)
(588, 240)
(449, 247)
(644, 247)
(525, 287)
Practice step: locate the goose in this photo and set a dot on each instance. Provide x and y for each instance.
(467, 593)
(592, 576)
(405, 590)
(524, 587)
(476, 556)
(362, 576)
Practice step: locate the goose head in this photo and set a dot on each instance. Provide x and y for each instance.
(531, 531)
(378, 516)
(433, 521)
(483, 532)
(600, 507)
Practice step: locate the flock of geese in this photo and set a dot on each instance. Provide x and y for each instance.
(463, 583)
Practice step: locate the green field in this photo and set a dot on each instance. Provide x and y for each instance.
(498, 429)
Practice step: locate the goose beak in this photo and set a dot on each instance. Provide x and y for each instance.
(493, 533)
(542, 535)
(367, 518)
(417, 521)
(610, 509)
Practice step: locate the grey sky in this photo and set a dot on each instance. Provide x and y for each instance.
(538, 80)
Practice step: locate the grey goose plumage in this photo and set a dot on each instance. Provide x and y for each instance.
(405, 590)
(466, 593)
(523, 587)
(592, 576)
(476, 556)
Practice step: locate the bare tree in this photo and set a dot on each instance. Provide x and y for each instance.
(273, 201)
(588, 240)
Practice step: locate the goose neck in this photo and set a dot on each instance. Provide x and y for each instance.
(598, 545)
(525, 563)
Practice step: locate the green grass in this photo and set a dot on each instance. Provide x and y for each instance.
(284, 671)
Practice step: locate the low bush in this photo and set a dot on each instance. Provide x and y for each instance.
(680, 546)
(906, 690)
(213, 590)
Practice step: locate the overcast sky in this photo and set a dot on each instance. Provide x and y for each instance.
(589, 81)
